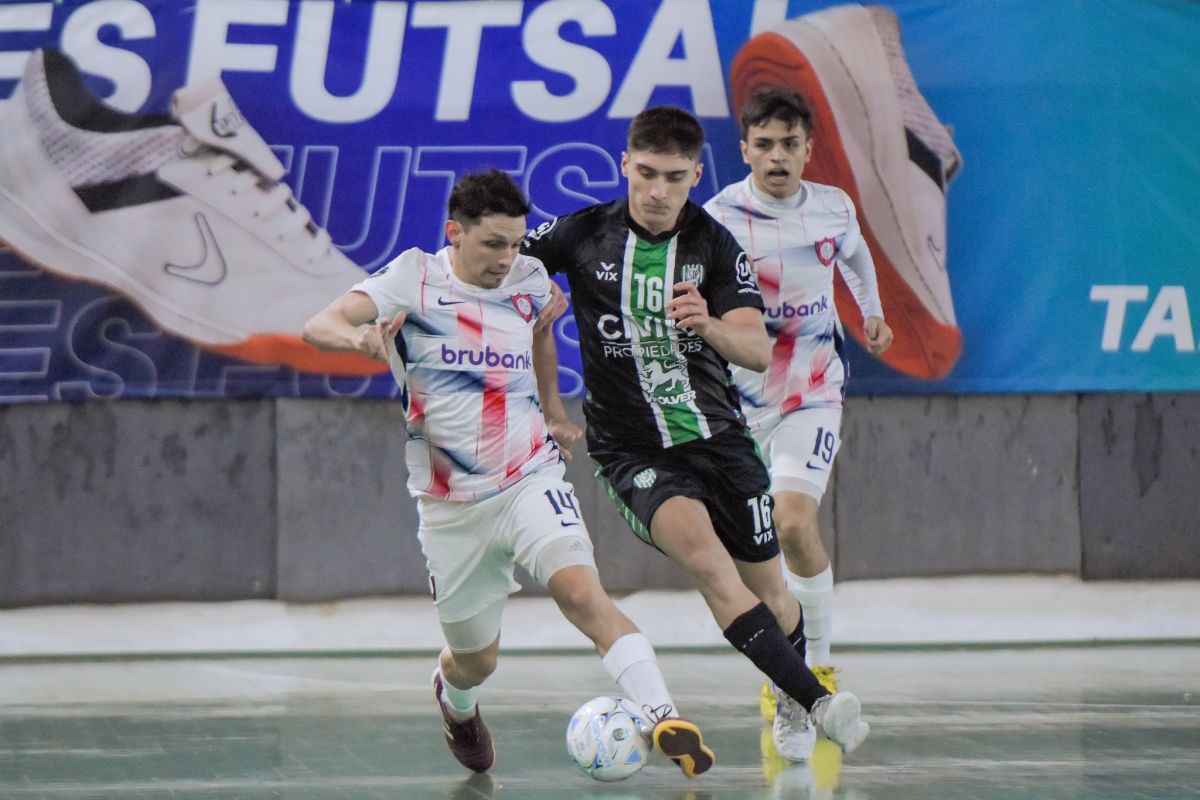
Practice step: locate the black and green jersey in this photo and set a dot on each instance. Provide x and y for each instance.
(649, 384)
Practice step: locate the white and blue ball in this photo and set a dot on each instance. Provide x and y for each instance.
(606, 740)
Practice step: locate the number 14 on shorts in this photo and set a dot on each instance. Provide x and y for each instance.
(564, 506)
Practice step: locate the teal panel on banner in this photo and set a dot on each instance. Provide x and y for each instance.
(1027, 173)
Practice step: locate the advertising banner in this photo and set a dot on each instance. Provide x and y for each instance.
(183, 184)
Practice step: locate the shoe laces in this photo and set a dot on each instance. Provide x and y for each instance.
(658, 713)
(278, 208)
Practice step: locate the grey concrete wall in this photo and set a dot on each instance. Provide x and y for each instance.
(1139, 461)
(305, 500)
(134, 501)
(945, 485)
(347, 526)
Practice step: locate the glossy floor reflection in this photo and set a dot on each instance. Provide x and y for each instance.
(1055, 724)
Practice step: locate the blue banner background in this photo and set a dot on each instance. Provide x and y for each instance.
(1076, 122)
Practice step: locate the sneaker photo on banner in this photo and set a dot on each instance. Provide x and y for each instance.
(875, 137)
(184, 214)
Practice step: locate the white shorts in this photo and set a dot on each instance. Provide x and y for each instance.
(800, 448)
(470, 547)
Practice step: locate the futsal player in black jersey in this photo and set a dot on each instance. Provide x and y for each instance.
(664, 300)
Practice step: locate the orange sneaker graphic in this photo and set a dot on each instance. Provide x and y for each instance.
(876, 137)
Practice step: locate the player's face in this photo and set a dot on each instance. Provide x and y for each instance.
(777, 155)
(482, 254)
(659, 184)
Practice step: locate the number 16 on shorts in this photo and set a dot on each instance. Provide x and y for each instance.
(760, 513)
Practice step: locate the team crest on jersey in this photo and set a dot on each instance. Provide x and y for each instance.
(645, 479)
(691, 273)
(523, 303)
(826, 250)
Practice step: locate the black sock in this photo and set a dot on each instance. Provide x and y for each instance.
(758, 636)
(796, 637)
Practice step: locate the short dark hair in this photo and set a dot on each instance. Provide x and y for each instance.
(776, 102)
(666, 129)
(481, 194)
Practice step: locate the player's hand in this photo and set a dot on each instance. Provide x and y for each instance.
(879, 335)
(373, 340)
(566, 434)
(555, 307)
(689, 309)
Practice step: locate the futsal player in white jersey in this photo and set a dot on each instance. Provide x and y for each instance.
(458, 328)
(796, 232)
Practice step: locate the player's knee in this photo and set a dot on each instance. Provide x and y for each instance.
(581, 596)
(800, 529)
(781, 602)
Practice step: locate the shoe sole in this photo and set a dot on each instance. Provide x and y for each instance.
(268, 349)
(682, 742)
(841, 710)
(927, 342)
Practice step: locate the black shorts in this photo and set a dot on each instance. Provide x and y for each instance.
(724, 472)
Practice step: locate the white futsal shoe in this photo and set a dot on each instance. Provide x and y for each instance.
(184, 214)
(876, 137)
(792, 730)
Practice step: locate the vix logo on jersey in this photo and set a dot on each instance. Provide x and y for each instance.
(789, 311)
(487, 357)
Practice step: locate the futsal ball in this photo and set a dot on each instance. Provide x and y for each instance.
(605, 738)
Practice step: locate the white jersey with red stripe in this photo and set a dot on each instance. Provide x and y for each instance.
(794, 244)
(464, 359)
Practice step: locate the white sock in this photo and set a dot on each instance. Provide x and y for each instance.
(816, 598)
(632, 664)
(460, 701)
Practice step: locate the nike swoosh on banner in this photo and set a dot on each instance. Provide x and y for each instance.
(444, 302)
(210, 269)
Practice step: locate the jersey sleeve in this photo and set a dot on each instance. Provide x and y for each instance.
(731, 282)
(857, 266)
(548, 243)
(529, 276)
(394, 286)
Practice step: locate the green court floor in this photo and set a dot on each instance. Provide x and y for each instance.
(1089, 723)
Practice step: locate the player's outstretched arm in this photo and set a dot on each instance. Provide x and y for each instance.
(343, 325)
(545, 368)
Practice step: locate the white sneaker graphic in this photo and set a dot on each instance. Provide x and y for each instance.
(184, 214)
(874, 136)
